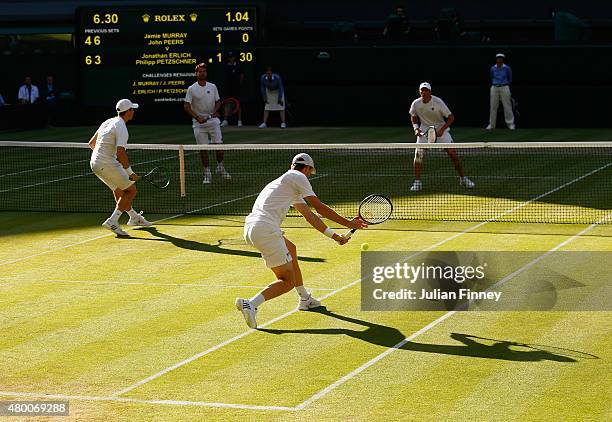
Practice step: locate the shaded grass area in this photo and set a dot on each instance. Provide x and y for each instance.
(94, 318)
(561, 185)
(183, 134)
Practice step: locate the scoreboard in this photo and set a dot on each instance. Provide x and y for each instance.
(149, 54)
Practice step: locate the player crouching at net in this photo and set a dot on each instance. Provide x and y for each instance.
(109, 161)
(262, 230)
(432, 111)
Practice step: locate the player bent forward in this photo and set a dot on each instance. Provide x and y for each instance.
(109, 161)
(262, 230)
(431, 111)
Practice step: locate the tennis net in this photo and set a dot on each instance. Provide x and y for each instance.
(518, 182)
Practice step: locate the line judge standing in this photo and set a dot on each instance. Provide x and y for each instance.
(501, 78)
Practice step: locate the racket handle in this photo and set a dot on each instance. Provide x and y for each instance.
(350, 233)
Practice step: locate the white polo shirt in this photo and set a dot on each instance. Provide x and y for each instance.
(202, 99)
(112, 133)
(431, 113)
(272, 204)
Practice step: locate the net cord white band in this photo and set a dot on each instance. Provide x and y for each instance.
(382, 146)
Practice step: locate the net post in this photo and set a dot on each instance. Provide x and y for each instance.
(182, 170)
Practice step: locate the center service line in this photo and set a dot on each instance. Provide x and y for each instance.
(238, 337)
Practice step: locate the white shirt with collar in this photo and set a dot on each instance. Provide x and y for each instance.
(26, 96)
(272, 204)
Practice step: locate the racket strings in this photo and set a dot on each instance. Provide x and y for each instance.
(431, 134)
(157, 178)
(375, 209)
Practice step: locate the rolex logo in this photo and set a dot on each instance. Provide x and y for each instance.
(193, 17)
(145, 18)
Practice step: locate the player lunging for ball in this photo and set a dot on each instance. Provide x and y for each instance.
(109, 161)
(262, 230)
(429, 110)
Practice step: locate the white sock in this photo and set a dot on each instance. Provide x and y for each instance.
(257, 300)
(132, 213)
(302, 291)
(115, 215)
(206, 170)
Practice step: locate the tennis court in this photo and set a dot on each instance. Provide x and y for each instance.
(144, 328)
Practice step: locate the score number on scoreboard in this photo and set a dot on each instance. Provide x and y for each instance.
(149, 54)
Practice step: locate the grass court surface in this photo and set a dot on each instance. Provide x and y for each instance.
(145, 328)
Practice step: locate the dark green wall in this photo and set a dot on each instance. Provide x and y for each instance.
(556, 86)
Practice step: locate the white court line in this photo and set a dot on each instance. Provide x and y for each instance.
(218, 204)
(75, 176)
(357, 371)
(141, 401)
(73, 162)
(144, 283)
(238, 337)
(42, 168)
(302, 405)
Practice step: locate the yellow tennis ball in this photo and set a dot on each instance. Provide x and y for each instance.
(365, 246)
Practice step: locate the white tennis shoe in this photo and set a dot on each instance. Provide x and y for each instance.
(207, 177)
(114, 227)
(417, 186)
(139, 220)
(263, 126)
(223, 173)
(248, 312)
(224, 123)
(239, 123)
(466, 183)
(283, 125)
(308, 303)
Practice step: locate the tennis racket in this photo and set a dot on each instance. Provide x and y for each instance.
(157, 177)
(230, 106)
(430, 134)
(374, 209)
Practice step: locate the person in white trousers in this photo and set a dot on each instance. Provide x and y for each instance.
(501, 78)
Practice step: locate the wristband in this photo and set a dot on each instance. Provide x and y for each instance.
(415, 126)
(129, 170)
(329, 233)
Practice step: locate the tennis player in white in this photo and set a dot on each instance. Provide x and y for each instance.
(202, 103)
(262, 230)
(109, 161)
(429, 110)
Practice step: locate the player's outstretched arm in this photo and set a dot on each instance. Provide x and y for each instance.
(317, 223)
(327, 212)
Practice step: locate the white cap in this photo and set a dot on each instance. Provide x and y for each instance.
(425, 85)
(124, 105)
(500, 55)
(303, 158)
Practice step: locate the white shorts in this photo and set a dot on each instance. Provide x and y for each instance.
(113, 175)
(208, 132)
(444, 139)
(270, 242)
(272, 104)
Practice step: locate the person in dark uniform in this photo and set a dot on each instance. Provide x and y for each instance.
(234, 76)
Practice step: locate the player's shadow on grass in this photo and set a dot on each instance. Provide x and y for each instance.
(204, 247)
(382, 335)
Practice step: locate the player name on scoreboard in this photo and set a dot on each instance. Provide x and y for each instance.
(167, 43)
